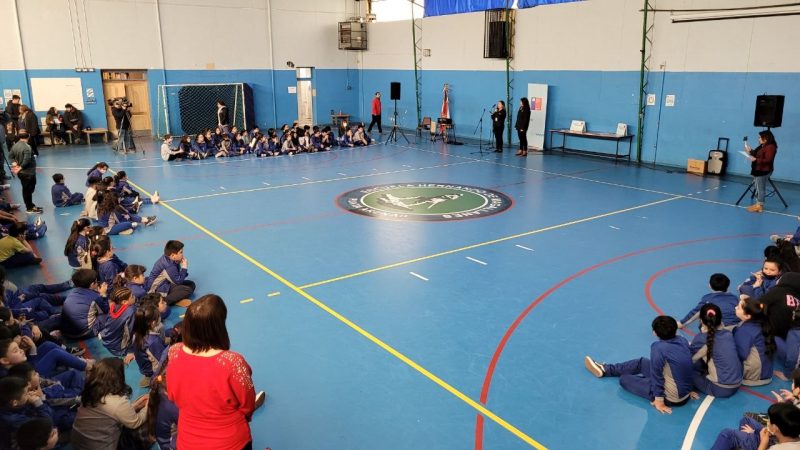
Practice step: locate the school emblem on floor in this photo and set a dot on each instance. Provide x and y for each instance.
(424, 202)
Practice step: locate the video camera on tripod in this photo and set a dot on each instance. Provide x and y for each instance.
(122, 101)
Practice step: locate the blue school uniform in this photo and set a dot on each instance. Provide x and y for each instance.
(108, 270)
(138, 291)
(83, 313)
(723, 374)
(63, 197)
(117, 331)
(727, 304)
(93, 173)
(164, 274)
(752, 350)
(81, 247)
(260, 149)
(149, 354)
(13, 418)
(788, 350)
(316, 142)
(200, 149)
(166, 422)
(747, 288)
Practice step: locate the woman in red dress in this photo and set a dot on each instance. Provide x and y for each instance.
(211, 385)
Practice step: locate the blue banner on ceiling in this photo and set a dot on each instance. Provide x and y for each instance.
(444, 7)
(532, 3)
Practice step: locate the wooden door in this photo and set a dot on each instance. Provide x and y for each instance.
(136, 91)
(111, 90)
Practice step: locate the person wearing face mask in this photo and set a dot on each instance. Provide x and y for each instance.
(782, 304)
(762, 281)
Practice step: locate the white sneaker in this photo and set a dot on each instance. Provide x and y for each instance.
(126, 232)
(155, 198)
(593, 367)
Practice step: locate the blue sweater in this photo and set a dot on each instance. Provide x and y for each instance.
(725, 367)
(60, 194)
(81, 246)
(117, 331)
(13, 418)
(795, 240)
(747, 288)
(150, 353)
(94, 173)
(83, 313)
(164, 274)
(107, 270)
(166, 422)
(670, 369)
(727, 304)
(752, 350)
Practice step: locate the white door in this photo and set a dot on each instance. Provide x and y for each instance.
(305, 97)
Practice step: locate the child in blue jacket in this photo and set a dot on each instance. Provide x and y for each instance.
(76, 249)
(61, 194)
(754, 344)
(117, 332)
(17, 406)
(665, 379)
(97, 171)
(85, 308)
(168, 275)
(148, 344)
(719, 296)
(793, 239)
(107, 262)
(760, 282)
(717, 368)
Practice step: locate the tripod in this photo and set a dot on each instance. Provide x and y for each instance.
(751, 189)
(395, 129)
(480, 137)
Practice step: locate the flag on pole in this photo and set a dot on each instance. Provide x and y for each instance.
(446, 103)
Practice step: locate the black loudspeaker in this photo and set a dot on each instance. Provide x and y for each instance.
(395, 91)
(769, 111)
(497, 40)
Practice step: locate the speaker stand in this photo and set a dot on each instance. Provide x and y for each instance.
(395, 129)
(751, 188)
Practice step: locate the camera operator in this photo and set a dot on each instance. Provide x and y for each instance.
(73, 120)
(120, 109)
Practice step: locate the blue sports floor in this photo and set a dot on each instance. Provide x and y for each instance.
(377, 334)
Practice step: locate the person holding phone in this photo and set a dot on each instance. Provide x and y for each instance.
(762, 164)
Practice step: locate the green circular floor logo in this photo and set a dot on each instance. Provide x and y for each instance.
(427, 202)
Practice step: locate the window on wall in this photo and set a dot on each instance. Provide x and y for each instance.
(393, 10)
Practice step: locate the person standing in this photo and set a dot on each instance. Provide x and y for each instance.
(211, 385)
(73, 121)
(498, 125)
(763, 159)
(376, 113)
(28, 121)
(523, 120)
(122, 119)
(223, 121)
(12, 108)
(4, 149)
(23, 165)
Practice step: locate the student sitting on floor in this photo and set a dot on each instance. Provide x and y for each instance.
(47, 357)
(717, 368)
(168, 276)
(262, 146)
(129, 197)
(117, 332)
(762, 281)
(328, 139)
(115, 219)
(273, 145)
(15, 251)
(148, 344)
(239, 144)
(37, 434)
(17, 406)
(90, 207)
(76, 249)
(754, 343)
(61, 194)
(97, 171)
(199, 147)
(168, 153)
(360, 137)
(719, 296)
(162, 414)
(288, 147)
(62, 401)
(106, 262)
(133, 278)
(347, 139)
(225, 148)
(665, 379)
(793, 239)
(85, 307)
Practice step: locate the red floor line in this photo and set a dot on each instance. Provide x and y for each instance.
(512, 328)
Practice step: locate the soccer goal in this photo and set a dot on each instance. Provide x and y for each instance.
(186, 109)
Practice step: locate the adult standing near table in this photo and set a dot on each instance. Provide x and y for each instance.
(223, 120)
(28, 121)
(376, 113)
(499, 125)
(523, 120)
(23, 164)
(73, 121)
(211, 385)
(763, 159)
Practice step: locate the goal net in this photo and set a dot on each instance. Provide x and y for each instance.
(186, 109)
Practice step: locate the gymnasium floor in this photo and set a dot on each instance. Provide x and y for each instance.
(388, 334)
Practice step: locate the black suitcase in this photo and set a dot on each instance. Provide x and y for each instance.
(718, 158)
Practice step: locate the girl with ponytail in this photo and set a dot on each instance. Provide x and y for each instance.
(754, 343)
(77, 247)
(718, 370)
(162, 414)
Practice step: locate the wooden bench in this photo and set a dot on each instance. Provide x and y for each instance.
(101, 131)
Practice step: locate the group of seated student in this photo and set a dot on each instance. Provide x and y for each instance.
(50, 395)
(741, 336)
(285, 141)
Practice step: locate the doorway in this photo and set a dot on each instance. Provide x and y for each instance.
(133, 85)
(305, 96)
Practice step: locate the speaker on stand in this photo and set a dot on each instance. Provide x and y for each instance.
(395, 95)
(394, 90)
(769, 111)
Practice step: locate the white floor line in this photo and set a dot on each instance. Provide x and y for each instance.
(419, 276)
(342, 174)
(589, 180)
(477, 261)
(612, 226)
(524, 248)
(281, 186)
(306, 178)
(688, 440)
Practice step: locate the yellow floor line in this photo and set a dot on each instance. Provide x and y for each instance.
(483, 244)
(247, 300)
(443, 384)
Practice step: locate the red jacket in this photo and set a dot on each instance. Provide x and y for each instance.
(376, 106)
(765, 156)
(215, 396)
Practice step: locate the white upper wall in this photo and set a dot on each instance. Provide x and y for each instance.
(12, 49)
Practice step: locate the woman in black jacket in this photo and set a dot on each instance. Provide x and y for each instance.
(523, 118)
(498, 125)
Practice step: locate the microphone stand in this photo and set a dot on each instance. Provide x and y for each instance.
(480, 137)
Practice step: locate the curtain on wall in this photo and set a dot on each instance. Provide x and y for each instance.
(444, 7)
